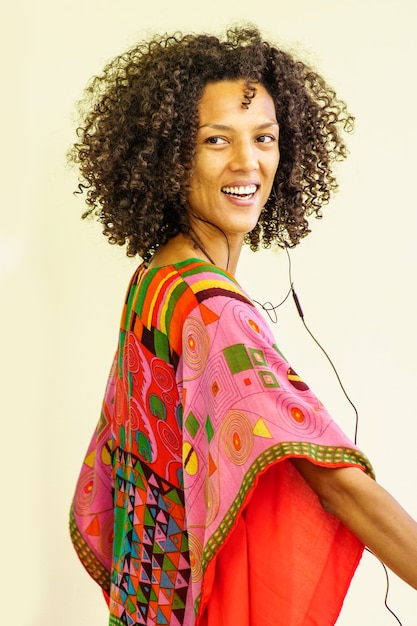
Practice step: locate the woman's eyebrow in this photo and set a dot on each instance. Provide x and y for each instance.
(215, 126)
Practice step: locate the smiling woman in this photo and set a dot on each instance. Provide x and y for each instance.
(213, 461)
(236, 160)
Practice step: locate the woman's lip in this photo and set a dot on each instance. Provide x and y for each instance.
(242, 183)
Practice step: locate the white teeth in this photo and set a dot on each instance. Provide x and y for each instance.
(240, 191)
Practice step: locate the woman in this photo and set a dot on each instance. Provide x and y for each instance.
(217, 490)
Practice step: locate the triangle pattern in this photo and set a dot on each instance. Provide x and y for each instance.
(261, 429)
(208, 315)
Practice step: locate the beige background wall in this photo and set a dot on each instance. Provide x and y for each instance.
(62, 286)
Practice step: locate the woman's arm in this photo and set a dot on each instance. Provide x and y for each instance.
(369, 511)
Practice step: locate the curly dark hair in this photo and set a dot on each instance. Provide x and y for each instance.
(136, 143)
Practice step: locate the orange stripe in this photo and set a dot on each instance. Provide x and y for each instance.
(185, 304)
(163, 304)
(154, 289)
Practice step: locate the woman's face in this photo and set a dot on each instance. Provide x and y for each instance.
(237, 156)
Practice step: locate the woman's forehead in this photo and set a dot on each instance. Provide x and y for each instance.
(224, 99)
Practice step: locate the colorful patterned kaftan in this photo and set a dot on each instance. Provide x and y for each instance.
(187, 511)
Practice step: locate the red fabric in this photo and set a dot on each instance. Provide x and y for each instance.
(275, 570)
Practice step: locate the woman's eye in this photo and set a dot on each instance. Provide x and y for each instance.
(265, 139)
(215, 141)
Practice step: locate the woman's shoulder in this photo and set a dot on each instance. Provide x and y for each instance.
(207, 279)
(160, 293)
(189, 296)
(197, 275)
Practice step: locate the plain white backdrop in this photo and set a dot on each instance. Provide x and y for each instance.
(62, 285)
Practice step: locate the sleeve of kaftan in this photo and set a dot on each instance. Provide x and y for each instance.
(245, 408)
(91, 515)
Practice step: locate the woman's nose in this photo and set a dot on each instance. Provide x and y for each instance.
(244, 157)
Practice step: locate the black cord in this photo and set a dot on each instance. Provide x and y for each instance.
(301, 314)
(387, 587)
(269, 308)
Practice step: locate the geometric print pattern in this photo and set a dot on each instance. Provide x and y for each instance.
(199, 403)
(150, 570)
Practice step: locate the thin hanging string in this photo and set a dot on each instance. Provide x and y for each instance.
(301, 314)
(271, 311)
(387, 587)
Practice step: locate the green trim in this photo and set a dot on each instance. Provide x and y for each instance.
(214, 269)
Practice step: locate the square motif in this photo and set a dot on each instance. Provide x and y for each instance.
(237, 358)
(191, 424)
(258, 357)
(268, 379)
(209, 429)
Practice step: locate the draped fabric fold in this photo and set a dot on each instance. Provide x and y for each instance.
(188, 509)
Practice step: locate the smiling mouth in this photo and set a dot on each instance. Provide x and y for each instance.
(243, 192)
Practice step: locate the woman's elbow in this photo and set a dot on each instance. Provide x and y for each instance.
(334, 487)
